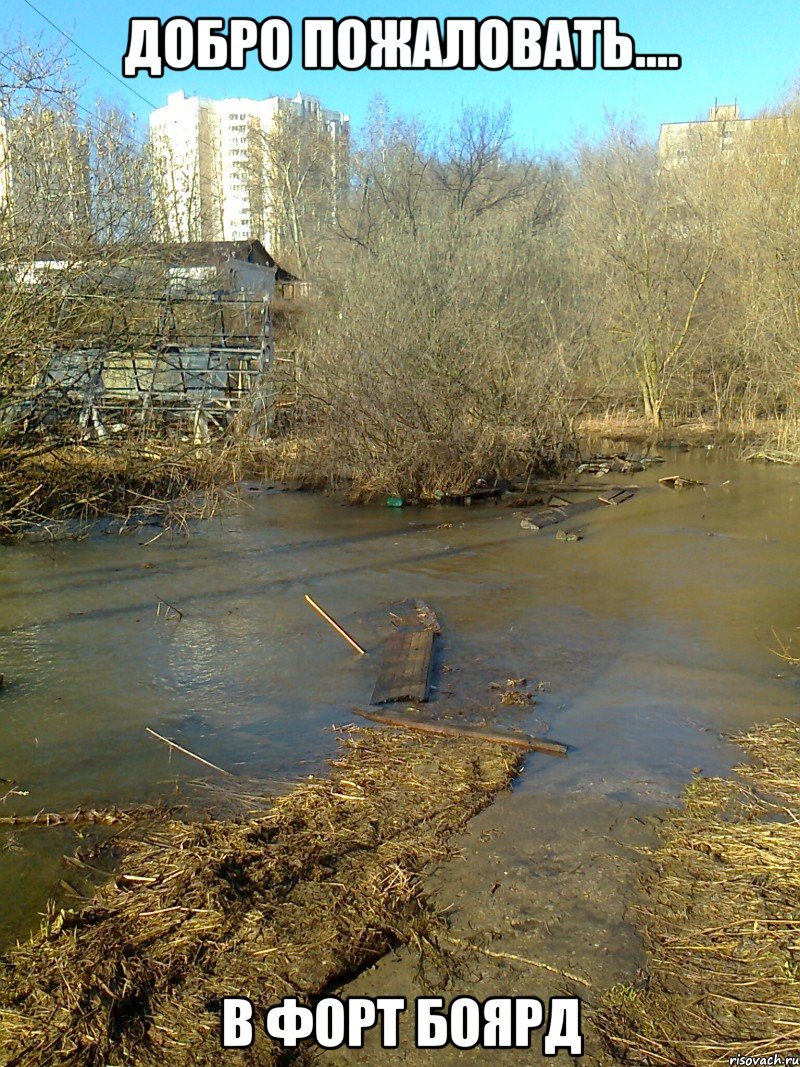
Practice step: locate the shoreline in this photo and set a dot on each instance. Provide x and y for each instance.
(325, 882)
(58, 492)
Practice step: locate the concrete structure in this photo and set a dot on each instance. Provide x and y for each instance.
(723, 131)
(211, 181)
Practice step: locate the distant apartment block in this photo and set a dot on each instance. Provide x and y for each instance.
(723, 131)
(212, 173)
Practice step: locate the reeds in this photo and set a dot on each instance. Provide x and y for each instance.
(722, 921)
(284, 904)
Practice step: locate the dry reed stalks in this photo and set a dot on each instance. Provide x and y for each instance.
(284, 904)
(721, 921)
(780, 443)
(784, 650)
(162, 481)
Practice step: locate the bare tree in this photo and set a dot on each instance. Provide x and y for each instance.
(646, 250)
(298, 177)
(477, 169)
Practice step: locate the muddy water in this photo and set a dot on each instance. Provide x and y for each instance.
(650, 635)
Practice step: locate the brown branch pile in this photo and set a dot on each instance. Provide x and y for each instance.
(722, 921)
(163, 481)
(281, 905)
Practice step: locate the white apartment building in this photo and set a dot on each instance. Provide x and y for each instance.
(211, 182)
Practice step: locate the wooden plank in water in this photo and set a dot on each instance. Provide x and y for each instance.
(532, 744)
(617, 496)
(405, 667)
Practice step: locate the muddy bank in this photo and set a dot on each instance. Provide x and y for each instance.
(285, 904)
(536, 901)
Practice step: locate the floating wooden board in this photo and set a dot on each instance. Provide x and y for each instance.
(617, 496)
(405, 667)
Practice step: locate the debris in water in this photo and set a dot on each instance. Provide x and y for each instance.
(325, 883)
(186, 752)
(621, 463)
(339, 629)
(511, 683)
(514, 691)
(513, 697)
(427, 617)
(676, 481)
(108, 816)
(531, 744)
(618, 495)
(168, 611)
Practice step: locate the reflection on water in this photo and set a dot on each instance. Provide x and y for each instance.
(651, 633)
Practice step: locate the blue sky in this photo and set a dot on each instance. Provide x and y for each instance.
(734, 50)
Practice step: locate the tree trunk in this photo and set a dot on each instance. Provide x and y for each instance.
(651, 394)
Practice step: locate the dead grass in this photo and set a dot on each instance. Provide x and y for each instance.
(164, 480)
(47, 487)
(634, 428)
(283, 904)
(722, 921)
(778, 443)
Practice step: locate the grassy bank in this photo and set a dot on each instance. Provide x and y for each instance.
(721, 921)
(775, 440)
(52, 485)
(170, 480)
(164, 480)
(284, 904)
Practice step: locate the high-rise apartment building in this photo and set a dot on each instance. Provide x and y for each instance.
(214, 163)
(723, 131)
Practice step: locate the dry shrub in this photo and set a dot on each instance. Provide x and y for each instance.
(431, 364)
(282, 905)
(64, 482)
(721, 921)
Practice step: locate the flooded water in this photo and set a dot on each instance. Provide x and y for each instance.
(651, 635)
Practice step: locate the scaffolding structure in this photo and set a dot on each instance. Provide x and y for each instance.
(211, 363)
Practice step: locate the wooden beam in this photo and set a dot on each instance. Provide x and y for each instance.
(617, 496)
(531, 744)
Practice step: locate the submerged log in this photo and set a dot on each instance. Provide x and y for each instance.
(677, 481)
(531, 744)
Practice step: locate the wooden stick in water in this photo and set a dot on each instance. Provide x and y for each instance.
(340, 630)
(192, 755)
(532, 744)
